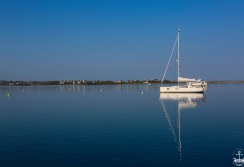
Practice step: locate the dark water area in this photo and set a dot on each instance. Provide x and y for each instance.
(119, 125)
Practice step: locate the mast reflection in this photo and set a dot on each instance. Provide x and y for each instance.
(184, 101)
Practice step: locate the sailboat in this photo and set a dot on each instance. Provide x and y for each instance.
(190, 86)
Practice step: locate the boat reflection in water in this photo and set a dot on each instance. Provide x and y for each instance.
(185, 101)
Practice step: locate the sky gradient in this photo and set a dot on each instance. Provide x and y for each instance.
(120, 39)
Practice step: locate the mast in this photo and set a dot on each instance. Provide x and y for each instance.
(178, 56)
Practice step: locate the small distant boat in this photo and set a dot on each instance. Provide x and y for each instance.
(147, 82)
(190, 85)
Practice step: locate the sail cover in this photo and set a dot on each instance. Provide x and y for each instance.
(181, 79)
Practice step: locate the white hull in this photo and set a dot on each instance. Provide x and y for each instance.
(179, 89)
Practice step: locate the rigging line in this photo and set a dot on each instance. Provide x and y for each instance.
(169, 59)
(174, 74)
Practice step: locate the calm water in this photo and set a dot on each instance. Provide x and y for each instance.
(94, 126)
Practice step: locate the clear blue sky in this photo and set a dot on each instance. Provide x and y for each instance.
(119, 39)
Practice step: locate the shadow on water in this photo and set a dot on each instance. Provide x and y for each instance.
(182, 102)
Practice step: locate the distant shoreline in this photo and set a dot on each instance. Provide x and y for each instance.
(99, 82)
